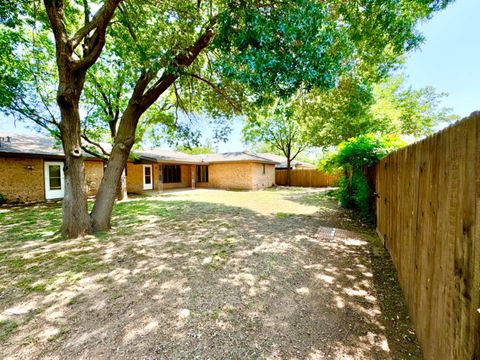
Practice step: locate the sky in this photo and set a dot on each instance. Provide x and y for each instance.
(448, 60)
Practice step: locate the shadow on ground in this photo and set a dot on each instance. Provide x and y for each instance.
(186, 279)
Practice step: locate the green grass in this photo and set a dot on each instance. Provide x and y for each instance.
(32, 222)
(7, 327)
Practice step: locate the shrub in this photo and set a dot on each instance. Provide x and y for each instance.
(354, 157)
(2, 199)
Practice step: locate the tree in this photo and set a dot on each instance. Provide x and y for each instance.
(207, 148)
(354, 108)
(404, 110)
(277, 127)
(339, 114)
(262, 48)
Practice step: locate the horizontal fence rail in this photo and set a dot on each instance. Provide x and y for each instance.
(428, 215)
(306, 178)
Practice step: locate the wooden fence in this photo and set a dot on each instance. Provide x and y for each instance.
(428, 215)
(306, 178)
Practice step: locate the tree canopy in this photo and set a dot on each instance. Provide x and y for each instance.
(355, 107)
(277, 127)
(206, 148)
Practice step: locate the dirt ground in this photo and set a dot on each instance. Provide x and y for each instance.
(276, 274)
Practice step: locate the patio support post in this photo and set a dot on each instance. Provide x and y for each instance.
(192, 167)
(160, 178)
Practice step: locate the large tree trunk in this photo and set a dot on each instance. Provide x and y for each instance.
(76, 221)
(105, 199)
(106, 194)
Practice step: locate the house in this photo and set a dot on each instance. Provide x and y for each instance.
(282, 162)
(32, 170)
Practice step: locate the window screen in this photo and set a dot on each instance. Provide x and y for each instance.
(172, 174)
(202, 173)
(54, 176)
(148, 175)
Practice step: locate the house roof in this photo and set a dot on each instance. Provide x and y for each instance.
(282, 161)
(174, 156)
(273, 157)
(46, 146)
(166, 155)
(242, 156)
(29, 144)
(36, 145)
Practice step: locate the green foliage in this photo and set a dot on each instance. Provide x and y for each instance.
(279, 52)
(7, 327)
(339, 114)
(362, 196)
(2, 199)
(207, 148)
(354, 157)
(277, 127)
(354, 107)
(360, 152)
(404, 110)
(282, 49)
(344, 194)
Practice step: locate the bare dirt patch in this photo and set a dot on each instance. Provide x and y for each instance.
(278, 274)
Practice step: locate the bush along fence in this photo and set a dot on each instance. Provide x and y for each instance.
(355, 158)
(306, 178)
(428, 215)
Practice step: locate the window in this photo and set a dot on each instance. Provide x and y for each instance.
(54, 180)
(263, 169)
(172, 174)
(148, 175)
(202, 173)
(55, 177)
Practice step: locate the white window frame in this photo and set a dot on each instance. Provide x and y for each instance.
(58, 193)
(145, 185)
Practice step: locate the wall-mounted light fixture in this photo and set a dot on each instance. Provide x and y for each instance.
(30, 167)
(5, 139)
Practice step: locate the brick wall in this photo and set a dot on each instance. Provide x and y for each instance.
(93, 175)
(135, 178)
(230, 176)
(261, 180)
(21, 179)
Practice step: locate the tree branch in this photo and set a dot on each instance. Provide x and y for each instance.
(56, 17)
(179, 62)
(96, 144)
(86, 11)
(27, 111)
(93, 153)
(93, 45)
(99, 21)
(129, 26)
(300, 149)
(216, 89)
